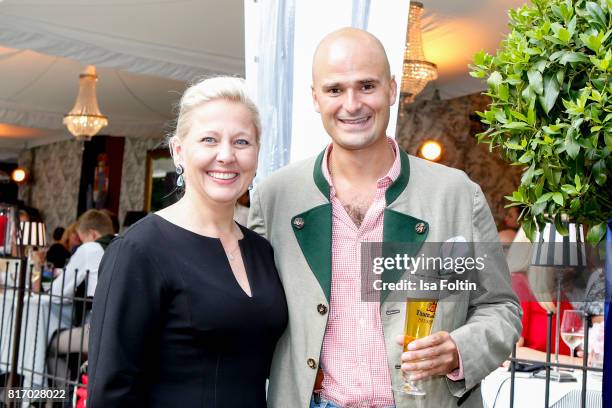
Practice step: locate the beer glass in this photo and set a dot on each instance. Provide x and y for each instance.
(419, 320)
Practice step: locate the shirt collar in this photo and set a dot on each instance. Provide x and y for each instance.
(390, 177)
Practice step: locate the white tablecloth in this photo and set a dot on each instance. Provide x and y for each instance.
(529, 392)
(41, 319)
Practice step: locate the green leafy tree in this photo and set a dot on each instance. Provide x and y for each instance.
(551, 111)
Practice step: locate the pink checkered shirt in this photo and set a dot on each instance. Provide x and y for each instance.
(353, 357)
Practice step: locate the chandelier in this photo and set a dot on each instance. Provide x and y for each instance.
(85, 119)
(417, 71)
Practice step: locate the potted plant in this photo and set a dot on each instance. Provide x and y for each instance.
(551, 111)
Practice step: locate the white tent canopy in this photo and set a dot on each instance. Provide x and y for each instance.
(147, 50)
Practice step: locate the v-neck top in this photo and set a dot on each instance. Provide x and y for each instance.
(171, 326)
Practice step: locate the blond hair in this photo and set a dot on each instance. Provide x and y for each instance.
(227, 88)
(95, 220)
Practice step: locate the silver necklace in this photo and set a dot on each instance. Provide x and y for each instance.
(230, 254)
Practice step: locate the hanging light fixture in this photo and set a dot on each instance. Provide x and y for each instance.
(417, 71)
(85, 119)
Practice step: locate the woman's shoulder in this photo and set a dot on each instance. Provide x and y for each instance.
(143, 234)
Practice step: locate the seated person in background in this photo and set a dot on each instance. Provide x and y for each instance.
(95, 230)
(71, 239)
(91, 227)
(510, 225)
(58, 254)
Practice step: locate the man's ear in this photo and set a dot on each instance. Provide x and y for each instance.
(393, 93)
(315, 101)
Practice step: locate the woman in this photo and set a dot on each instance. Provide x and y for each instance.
(70, 238)
(189, 305)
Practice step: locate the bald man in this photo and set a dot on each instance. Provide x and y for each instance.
(339, 350)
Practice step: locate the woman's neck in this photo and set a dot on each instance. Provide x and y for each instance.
(199, 216)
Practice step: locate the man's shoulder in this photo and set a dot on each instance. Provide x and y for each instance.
(297, 172)
(435, 174)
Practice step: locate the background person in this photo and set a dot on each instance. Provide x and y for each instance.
(58, 254)
(189, 305)
(76, 283)
(70, 238)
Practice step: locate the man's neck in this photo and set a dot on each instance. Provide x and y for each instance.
(355, 174)
(360, 167)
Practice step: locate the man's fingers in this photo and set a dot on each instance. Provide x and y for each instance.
(448, 347)
(429, 341)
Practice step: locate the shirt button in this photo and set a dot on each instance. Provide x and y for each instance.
(321, 308)
(311, 363)
(420, 228)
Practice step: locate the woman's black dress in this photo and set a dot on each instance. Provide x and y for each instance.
(172, 327)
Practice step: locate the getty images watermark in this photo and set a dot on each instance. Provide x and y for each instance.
(458, 271)
(412, 264)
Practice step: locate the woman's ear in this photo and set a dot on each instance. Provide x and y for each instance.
(175, 150)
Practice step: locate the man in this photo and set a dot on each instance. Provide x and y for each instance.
(339, 350)
(79, 280)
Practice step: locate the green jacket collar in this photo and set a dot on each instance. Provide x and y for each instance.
(393, 191)
(313, 228)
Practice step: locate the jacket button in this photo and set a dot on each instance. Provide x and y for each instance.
(298, 222)
(322, 309)
(420, 228)
(311, 363)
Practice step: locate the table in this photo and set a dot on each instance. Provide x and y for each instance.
(529, 391)
(41, 319)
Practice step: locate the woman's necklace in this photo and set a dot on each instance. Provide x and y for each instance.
(230, 254)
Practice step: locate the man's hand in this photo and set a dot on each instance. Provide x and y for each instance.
(435, 354)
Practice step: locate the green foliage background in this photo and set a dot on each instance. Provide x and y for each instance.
(552, 110)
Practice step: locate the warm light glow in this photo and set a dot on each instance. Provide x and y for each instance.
(431, 150)
(85, 119)
(19, 175)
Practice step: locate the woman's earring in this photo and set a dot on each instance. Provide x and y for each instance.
(180, 180)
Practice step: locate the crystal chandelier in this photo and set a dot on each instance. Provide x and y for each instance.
(417, 71)
(85, 118)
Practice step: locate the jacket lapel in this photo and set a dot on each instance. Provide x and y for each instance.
(313, 231)
(399, 227)
(313, 228)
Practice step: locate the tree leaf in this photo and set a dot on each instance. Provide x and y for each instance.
(526, 157)
(544, 198)
(558, 198)
(608, 140)
(596, 13)
(572, 56)
(495, 79)
(551, 92)
(518, 115)
(599, 171)
(530, 229)
(596, 233)
(516, 125)
(535, 80)
(571, 147)
(564, 35)
(577, 182)
(569, 189)
(479, 57)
